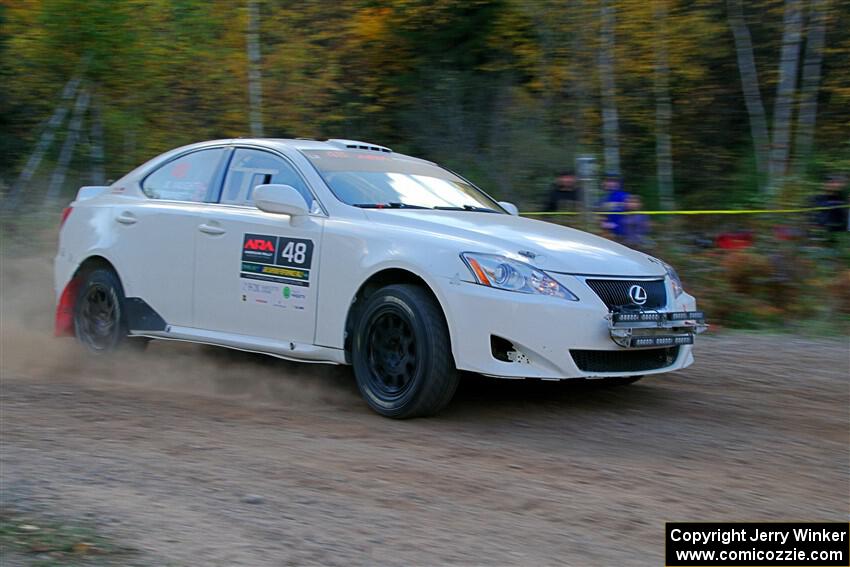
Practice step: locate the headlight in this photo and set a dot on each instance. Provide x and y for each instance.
(674, 279)
(511, 275)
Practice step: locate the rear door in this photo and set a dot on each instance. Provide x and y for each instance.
(256, 272)
(155, 237)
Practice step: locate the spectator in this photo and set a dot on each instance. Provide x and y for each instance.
(831, 220)
(635, 228)
(564, 189)
(614, 201)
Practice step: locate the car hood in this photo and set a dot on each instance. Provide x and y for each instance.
(555, 248)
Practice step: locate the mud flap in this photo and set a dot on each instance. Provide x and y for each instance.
(64, 322)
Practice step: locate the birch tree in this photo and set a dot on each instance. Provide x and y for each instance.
(255, 78)
(750, 86)
(581, 66)
(73, 135)
(663, 109)
(610, 122)
(784, 104)
(43, 144)
(810, 82)
(96, 143)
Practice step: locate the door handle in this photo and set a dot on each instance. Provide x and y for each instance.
(126, 218)
(210, 229)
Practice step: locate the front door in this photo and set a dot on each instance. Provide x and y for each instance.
(256, 272)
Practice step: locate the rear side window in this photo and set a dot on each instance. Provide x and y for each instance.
(188, 178)
(250, 168)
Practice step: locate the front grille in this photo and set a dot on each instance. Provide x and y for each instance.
(615, 293)
(624, 361)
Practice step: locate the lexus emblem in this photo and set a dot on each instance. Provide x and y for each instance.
(637, 294)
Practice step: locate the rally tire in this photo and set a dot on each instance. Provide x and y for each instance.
(401, 353)
(100, 321)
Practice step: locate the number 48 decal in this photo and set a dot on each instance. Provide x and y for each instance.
(295, 252)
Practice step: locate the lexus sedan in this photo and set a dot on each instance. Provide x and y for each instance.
(346, 252)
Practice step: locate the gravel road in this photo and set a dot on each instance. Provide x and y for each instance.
(199, 456)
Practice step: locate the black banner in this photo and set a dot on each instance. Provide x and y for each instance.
(757, 544)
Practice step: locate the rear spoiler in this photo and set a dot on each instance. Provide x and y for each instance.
(90, 192)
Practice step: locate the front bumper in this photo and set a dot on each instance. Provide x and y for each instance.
(544, 331)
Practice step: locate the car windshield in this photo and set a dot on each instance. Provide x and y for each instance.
(376, 180)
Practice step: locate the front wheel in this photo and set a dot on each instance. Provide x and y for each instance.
(401, 353)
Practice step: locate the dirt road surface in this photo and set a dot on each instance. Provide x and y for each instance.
(196, 456)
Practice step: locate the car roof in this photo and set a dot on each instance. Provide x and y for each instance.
(300, 144)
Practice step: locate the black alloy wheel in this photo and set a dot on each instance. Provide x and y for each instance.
(99, 321)
(392, 354)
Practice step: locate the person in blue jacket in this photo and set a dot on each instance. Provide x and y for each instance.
(614, 200)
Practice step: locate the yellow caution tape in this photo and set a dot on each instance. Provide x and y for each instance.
(703, 212)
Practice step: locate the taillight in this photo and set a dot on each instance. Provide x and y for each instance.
(66, 212)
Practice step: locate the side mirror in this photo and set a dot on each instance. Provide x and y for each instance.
(281, 199)
(510, 207)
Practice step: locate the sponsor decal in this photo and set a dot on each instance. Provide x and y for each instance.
(274, 294)
(251, 270)
(260, 244)
(181, 170)
(275, 271)
(259, 248)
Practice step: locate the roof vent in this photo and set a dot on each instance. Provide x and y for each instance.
(357, 145)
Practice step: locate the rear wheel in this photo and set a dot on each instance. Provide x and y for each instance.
(100, 322)
(401, 353)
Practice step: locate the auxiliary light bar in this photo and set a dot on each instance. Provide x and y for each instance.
(656, 317)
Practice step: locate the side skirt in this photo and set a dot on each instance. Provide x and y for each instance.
(297, 352)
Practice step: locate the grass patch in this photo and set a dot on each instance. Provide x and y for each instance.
(51, 543)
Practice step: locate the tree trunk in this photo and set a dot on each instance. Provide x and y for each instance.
(581, 69)
(500, 158)
(750, 86)
(610, 123)
(784, 105)
(255, 77)
(810, 83)
(663, 110)
(96, 146)
(67, 152)
(44, 143)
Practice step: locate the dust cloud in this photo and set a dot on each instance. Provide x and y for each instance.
(28, 350)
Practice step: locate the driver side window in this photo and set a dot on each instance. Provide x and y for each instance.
(250, 168)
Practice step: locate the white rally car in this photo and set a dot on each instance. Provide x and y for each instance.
(347, 252)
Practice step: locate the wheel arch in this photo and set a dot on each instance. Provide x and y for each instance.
(93, 263)
(382, 278)
(64, 320)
